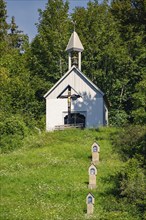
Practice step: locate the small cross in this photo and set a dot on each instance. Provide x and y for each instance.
(74, 23)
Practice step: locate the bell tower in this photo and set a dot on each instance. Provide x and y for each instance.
(74, 49)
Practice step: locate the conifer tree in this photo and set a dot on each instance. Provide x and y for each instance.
(17, 39)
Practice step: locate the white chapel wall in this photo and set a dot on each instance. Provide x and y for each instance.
(54, 109)
(93, 108)
(91, 103)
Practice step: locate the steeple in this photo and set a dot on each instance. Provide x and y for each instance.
(74, 48)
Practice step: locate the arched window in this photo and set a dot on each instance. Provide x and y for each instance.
(94, 148)
(89, 200)
(92, 171)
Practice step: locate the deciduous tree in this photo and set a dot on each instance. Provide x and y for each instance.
(48, 59)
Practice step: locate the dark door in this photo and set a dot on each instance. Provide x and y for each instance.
(76, 118)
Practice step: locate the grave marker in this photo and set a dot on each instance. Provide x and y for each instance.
(95, 149)
(90, 200)
(92, 171)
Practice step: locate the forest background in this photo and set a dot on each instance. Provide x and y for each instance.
(114, 38)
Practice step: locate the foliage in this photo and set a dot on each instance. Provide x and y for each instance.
(48, 57)
(16, 37)
(131, 142)
(3, 23)
(106, 59)
(130, 185)
(133, 184)
(118, 118)
(139, 99)
(131, 15)
(12, 131)
(17, 95)
(131, 180)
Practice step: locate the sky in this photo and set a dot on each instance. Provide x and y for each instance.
(26, 13)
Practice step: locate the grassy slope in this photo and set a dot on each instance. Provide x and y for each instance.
(47, 179)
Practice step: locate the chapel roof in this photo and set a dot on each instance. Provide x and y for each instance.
(81, 75)
(74, 43)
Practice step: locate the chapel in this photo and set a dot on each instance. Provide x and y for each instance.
(75, 99)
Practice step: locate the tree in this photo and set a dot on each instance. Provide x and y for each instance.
(47, 49)
(17, 39)
(130, 143)
(17, 96)
(15, 34)
(105, 60)
(3, 28)
(3, 24)
(139, 100)
(131, 16)
(114, 56)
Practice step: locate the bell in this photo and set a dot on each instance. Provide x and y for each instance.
(75, 61)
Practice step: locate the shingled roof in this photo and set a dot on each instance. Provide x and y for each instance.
(74, 43)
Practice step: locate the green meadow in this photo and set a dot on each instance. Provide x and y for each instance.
(47, 177)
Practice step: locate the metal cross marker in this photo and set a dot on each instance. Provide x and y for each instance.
(74, 23)
(69, 97)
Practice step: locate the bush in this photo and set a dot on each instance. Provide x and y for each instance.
(132, 185)
(118, 118)
(131, 142)
(12, 131)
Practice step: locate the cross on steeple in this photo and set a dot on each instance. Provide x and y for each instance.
(74, 23)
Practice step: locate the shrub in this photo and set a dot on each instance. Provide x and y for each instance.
(118, 118)
(131, 142)
(132, 185)
(12, 131)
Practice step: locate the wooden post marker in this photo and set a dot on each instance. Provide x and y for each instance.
(90, 200)
(92, 177)
(95, 149)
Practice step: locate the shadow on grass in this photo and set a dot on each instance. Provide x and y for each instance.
(114, 185)
(86, 182)
(90, 157)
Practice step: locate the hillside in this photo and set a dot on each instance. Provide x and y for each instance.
(47, 178)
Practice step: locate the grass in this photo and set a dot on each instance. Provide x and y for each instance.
(47, 178)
